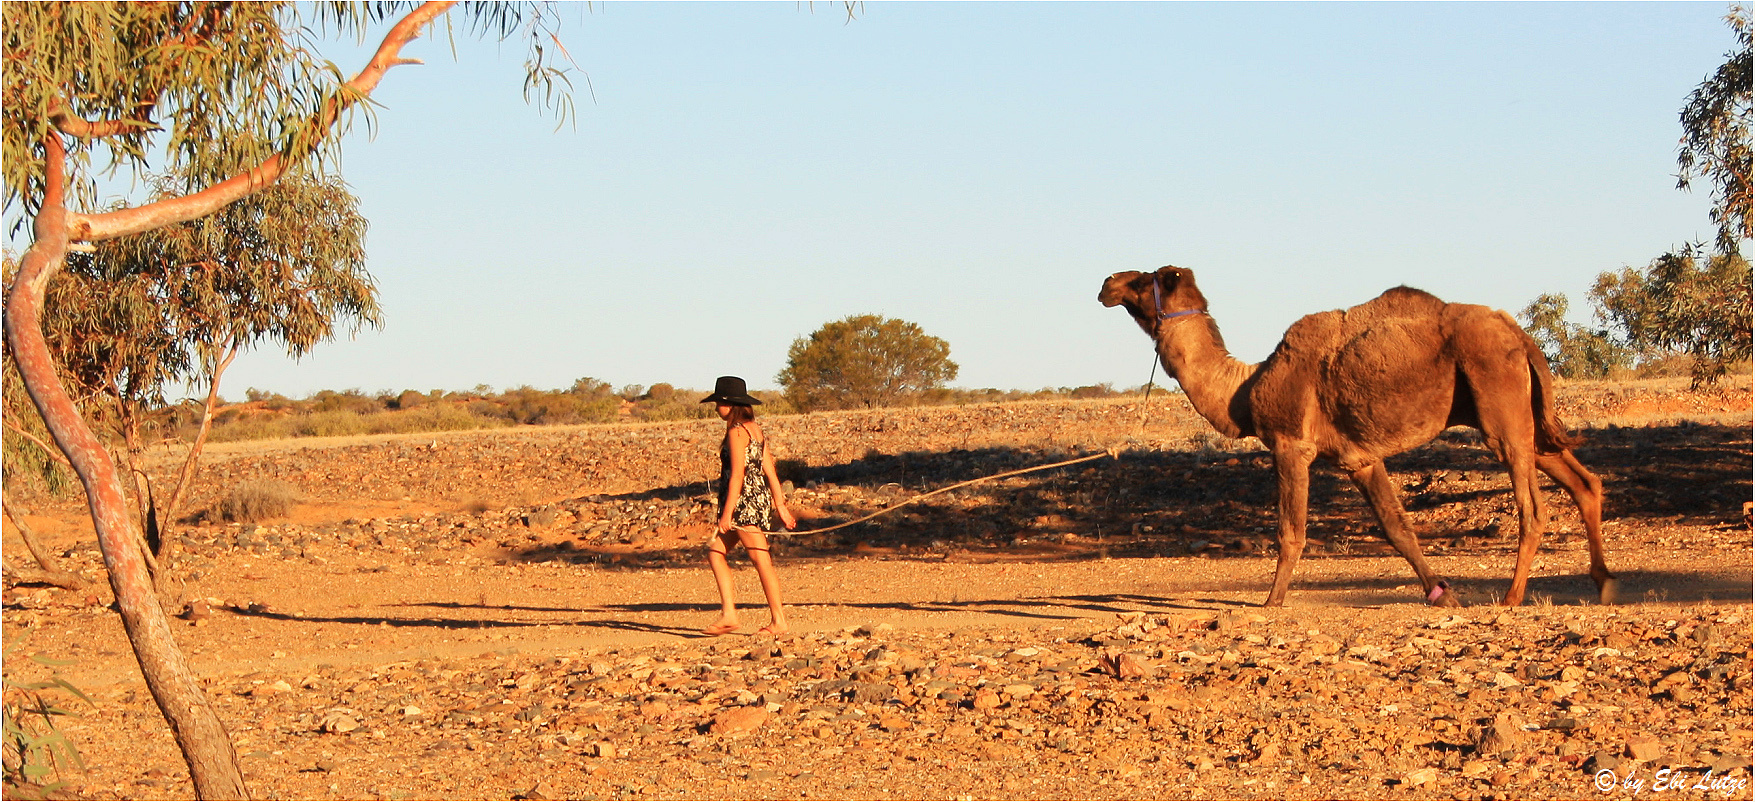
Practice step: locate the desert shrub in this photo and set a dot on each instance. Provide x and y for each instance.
(328, 424)
(409, 399)
(255, 501)
(431, 418)
(241, 428)
(33, 746)
(352, 401)
(485, 408)
(434, 417)
(773, 403)
(548, 408)
(1103, 390)
(674, 409)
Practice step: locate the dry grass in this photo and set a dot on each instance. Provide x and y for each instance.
(256, 501)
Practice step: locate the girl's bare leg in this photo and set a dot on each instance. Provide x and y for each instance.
(722, 577)
(756, 543)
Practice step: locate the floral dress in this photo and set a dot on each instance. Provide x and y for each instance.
(755, 507)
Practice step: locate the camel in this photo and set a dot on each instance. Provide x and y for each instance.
(1359, 385)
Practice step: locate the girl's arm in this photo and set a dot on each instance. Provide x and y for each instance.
(737, 440)
(774, 487)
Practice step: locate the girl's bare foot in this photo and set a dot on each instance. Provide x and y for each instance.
(775, 631)
(721, 627)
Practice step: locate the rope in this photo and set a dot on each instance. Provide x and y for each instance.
(1112, 452)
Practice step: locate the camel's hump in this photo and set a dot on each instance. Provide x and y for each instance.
(1325, 332)
(1399, 302)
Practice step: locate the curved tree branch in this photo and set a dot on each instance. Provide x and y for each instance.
(52, 452)
(109, 225)
(74, 125)
(50, 572)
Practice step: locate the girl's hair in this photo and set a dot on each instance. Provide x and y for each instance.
(741, 414)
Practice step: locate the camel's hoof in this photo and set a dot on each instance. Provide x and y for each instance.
(1440, 596)
(1608, 590)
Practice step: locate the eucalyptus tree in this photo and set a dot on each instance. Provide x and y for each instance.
(1686, 301)
(864, 361)
(234, 98)
(1715, 136)
(177, 304)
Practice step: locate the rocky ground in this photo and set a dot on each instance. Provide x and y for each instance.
(513, 615)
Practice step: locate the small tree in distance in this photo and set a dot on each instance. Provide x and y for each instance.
(1573, 351)
(1687, 302)
(864, 361)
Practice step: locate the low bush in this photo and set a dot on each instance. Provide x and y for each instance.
(335, 423)
(256, 501)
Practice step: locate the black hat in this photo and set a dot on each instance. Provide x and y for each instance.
(730, 390)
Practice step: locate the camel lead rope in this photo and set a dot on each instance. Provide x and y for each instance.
(1113, 452)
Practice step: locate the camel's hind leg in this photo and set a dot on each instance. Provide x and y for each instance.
(1587, 492)
(1373, 481)
(1519, 457)
(1502, 386)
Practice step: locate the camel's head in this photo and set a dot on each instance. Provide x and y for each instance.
(1175, 294)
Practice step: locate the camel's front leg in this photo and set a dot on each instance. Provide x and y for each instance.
(1373, 481)
(1292, 465)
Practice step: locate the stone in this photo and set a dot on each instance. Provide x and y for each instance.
(738, 719)
(196, 610)
(1729, 762)
(1504, 735)
(270, 689)
(1419, 777)
(1644, 749)
(338, 721)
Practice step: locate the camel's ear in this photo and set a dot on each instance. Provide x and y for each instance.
(1119, 288)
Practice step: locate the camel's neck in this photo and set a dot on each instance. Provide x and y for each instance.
(1215, 382)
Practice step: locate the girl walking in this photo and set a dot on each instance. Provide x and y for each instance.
(750, 495)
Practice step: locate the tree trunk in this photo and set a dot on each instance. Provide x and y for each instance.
(206, 746)
(163, 517)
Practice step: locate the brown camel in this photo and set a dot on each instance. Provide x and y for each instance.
(1360, 385)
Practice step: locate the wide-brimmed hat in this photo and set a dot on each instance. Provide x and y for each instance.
(731, 390)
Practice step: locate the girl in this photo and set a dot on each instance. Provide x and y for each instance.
(749, 496)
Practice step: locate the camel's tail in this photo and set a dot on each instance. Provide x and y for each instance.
(1552, 437)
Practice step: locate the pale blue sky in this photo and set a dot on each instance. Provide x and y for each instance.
(741, 173)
